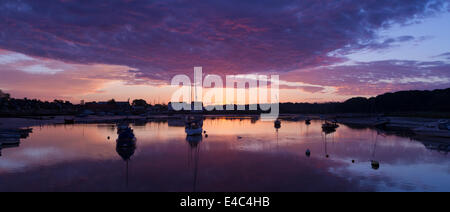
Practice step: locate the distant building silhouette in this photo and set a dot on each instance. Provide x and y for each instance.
(4, 95)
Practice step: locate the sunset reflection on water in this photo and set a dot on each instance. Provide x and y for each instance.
(237, 155)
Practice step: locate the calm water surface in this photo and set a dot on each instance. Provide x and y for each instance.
(237, 155)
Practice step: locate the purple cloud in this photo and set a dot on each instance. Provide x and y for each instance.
(372, 78)
(444, 55)
(163, 38)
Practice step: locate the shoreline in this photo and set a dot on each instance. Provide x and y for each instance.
(396, 124)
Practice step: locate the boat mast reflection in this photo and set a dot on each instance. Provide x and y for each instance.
(324, 134)
(194, 155)
(277, 126)
(125, 145)
(375, 164)
(307, 129)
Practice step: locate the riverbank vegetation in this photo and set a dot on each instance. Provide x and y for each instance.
(433, 104)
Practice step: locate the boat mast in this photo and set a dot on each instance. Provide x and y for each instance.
(190, 98)
(195, 91)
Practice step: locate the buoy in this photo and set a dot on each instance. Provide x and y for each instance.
(375, 164)
(308, 153)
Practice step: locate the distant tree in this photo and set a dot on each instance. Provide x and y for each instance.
(139, 102)
(356, 104)
(57, 101)
(112, 101)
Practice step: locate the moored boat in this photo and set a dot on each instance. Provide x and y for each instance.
(277, 124)
(329, 126)
(126, 134)
(380, 122)
(194, 125)
(308, 121)
(375, 164)
(443, 125)
(126, 138)
(122, 127)
(439, 129)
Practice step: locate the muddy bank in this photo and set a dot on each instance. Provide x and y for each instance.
(393, 123)
(14, 123)
(390, 123)
(400, 123)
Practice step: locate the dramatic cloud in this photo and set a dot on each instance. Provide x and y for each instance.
(161, 38)
(444, 55)
(158, 39)
(372, 78)
(48, 79)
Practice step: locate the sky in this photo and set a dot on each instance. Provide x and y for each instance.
(322, 50)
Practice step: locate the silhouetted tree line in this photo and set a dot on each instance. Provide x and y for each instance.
(11, 107)
(402, 101)
(14, 107)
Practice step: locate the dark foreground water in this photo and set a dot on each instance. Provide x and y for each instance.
(237, 155)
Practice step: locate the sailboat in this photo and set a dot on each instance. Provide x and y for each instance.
(308, 121)
(329, 127)
(374, 163)
(125, 145)
(277, 124)
(126, 137)
(13, 136)
(437, 129)
(194, 122)
(194, 125)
